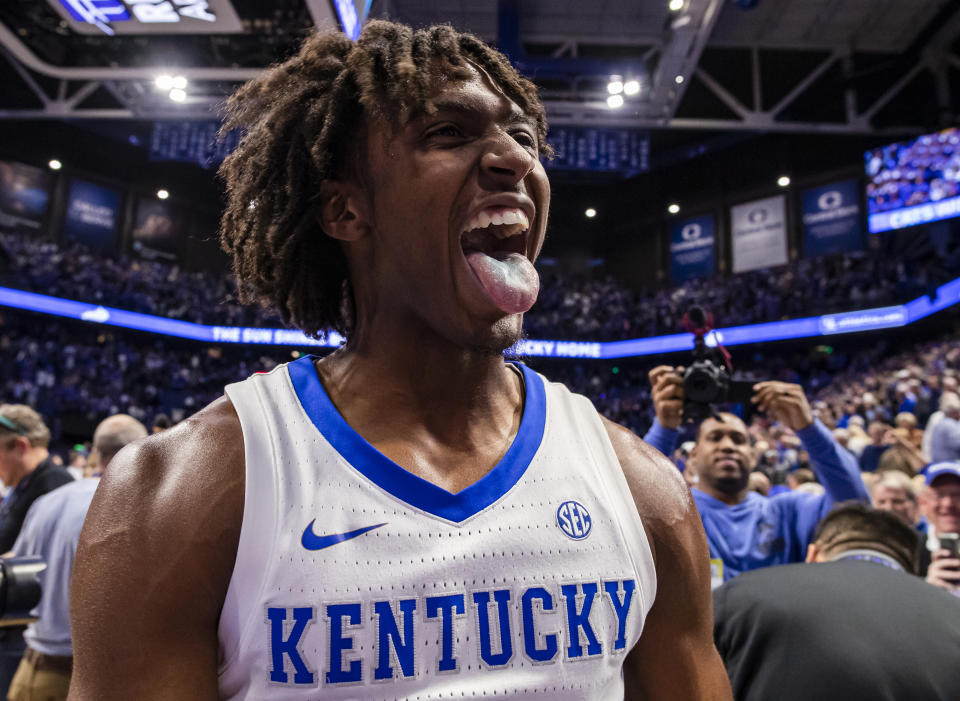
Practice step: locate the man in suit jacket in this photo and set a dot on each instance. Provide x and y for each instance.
(855, 625)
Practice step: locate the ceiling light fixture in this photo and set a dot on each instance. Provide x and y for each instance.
(615, 101)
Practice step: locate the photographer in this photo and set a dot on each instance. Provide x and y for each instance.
(745, 530)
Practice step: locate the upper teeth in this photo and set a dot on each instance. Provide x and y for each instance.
(508, 217)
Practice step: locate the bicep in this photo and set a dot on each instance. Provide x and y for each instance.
(675, 657)
(152, 567)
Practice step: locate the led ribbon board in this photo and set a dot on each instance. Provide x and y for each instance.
(149, 16)
(829, 324)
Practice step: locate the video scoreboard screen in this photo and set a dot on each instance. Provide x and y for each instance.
(914, 182)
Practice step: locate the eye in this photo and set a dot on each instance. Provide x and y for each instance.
(524, 139)
(445, 130)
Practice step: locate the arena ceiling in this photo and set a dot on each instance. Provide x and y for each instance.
(838, 66)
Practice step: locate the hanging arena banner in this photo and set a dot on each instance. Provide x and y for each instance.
(758, 231)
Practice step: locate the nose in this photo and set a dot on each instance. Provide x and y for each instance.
(505, 163)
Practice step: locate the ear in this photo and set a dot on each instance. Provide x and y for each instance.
(343, 211)
(813, 554)
(22, 445)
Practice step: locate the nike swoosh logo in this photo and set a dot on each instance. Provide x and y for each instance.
(312, 541)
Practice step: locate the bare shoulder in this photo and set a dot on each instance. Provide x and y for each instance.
(658, 489)
(154, 562)
(204, 451)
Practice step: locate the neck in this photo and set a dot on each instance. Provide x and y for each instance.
(457, 396)
(728, 498)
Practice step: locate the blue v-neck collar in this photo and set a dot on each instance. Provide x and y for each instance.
(406, 486)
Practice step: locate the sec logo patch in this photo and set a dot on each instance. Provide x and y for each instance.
(574, 520)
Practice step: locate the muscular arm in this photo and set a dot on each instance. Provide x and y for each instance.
(154, 561)
(675, 658)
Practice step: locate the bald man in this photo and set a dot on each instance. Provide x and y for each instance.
(51, 530)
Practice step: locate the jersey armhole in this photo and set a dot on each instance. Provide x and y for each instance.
(618, 493)
(257, 542)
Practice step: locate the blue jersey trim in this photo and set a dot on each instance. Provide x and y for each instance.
(406, 486)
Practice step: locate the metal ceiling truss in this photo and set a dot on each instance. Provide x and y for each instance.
(676, 53)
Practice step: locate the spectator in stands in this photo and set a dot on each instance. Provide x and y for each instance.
(854, 625)
(894, 492)
(161, 422)
(51, 530)
(27, 467)
(801, 475)
(870, 457)
(744, 530)
(945, 434)
(841, 436)
(859, 439)
(941, 505)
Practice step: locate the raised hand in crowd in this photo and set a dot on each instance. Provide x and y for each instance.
(784, 401)
(667, 392)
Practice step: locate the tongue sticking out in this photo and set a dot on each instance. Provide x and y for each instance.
(509, 279)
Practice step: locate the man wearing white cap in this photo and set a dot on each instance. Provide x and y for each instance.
(941, 502)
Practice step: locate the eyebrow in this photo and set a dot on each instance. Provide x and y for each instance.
(471, 107)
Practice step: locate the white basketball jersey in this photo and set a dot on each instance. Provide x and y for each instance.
(356, 579)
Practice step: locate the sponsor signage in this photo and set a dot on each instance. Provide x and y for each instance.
(691, 248)
(158, 230)
(91, 216)
(149, 16)
(578, 148)
(759, 233)
(831, 219)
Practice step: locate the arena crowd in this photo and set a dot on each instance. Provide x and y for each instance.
(586, 307)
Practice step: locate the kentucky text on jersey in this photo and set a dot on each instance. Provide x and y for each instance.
(539, 622)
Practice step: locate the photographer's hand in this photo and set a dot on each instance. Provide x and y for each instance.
(785, 401)
(667, 393)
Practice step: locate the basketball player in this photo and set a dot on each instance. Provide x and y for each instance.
(410, 517)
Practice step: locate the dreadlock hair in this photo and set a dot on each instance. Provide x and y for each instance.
(304, 122)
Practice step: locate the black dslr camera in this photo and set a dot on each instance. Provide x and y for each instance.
(19, 588)
(707, 381)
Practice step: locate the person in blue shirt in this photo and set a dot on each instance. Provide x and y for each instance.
(746, 531)
(51, 530)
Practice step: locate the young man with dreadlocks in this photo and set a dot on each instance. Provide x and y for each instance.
(410, 516)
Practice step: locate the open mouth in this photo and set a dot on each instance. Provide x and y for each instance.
(494, 244)
(496, 233)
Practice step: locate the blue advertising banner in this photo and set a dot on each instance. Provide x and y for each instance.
(831, 219)
(947, 295)
(91, 217)
(578, 148)
(691, 248)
